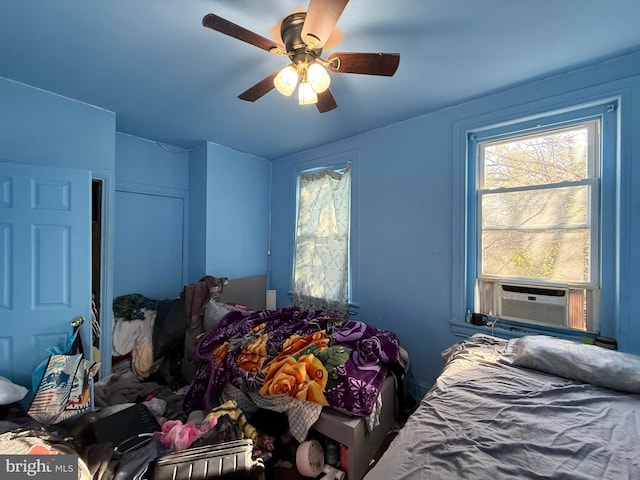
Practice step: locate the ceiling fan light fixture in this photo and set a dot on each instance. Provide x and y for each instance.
(312, 41)
(306, 95)
(286, 81)
(318, 77)
(302, 37)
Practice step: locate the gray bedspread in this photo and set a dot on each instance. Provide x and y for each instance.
(487, 419)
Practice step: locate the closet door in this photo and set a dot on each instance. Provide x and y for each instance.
(45, 263)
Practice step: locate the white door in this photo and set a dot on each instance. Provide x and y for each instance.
(45, 263)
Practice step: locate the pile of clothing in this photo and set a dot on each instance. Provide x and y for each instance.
(148, 330)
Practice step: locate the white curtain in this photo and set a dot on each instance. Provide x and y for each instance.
(321, 269)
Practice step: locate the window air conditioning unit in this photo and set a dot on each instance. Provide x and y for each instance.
(541, 305)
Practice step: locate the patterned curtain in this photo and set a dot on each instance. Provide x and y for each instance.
(306, 302)
(321, 270)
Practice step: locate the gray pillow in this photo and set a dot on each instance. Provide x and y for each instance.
(576, 361)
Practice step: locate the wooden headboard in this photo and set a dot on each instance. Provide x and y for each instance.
(247, 291)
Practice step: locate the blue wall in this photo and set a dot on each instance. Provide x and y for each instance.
(152, 187)
(229, 221)
(183, 214)
(42, 128)
(410, 262)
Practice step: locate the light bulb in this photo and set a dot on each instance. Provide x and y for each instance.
(306, 95)
(318, 77)
(286, 81)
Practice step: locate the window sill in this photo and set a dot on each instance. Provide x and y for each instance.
(507, 331)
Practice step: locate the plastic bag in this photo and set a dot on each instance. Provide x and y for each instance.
(64, 389)
(11, 392)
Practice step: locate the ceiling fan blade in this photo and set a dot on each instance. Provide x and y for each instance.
(384, 64)
(322, 16)
(260, 89)
(275, 30)
(326, 101)
(221, 25)
(334, 39)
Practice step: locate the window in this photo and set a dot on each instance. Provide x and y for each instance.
(535, 234)
(321, 263)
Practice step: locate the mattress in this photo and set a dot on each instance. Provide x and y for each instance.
(488, 418)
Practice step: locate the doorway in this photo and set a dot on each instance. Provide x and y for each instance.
(96, 260)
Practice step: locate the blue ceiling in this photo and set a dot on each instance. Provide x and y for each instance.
(171, 80)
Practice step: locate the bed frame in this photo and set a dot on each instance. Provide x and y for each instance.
(352, 432)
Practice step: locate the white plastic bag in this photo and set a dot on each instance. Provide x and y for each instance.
(213, 313)
(11, 392)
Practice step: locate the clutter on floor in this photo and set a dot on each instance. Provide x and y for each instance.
(138, 429)
(148, 421)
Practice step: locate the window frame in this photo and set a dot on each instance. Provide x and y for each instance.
(605, 272)
(592, 180)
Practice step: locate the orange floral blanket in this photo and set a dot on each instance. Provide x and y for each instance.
(304, 354)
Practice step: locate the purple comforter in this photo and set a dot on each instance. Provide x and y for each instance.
(305, 354)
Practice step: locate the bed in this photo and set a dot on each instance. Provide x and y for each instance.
(531, 407)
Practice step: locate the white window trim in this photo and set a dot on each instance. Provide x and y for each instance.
(593, 181)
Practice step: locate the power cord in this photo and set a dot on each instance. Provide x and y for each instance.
(493, 325)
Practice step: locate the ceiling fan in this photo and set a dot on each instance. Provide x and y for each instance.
(302, 37)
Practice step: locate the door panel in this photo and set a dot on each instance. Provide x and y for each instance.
(45, 263)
